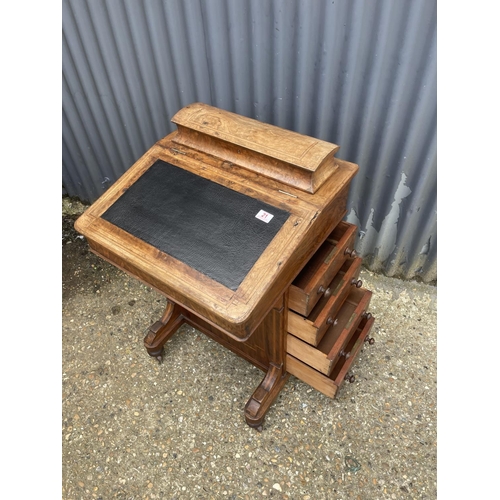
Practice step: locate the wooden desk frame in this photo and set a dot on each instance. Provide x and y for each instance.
(251, 321)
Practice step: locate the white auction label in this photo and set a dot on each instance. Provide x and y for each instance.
(265, 216)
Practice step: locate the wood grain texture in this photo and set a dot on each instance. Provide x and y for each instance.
(353, 348)
(329, 385)
(160, 331)
(333, 345)
(292, 158)
(265, 347)
(321, 269)
(238, 313)
(312, 328)
(272, 330)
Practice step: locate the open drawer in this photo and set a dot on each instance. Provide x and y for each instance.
(325, 312)
(333, 346)
(329, 385)
(312, 282)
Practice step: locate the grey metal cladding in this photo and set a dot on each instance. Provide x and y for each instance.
(359, 73)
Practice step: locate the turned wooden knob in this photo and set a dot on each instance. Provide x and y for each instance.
(331, 321)
(326, 292)
(350, 378)
(351, 253)
(357, 284)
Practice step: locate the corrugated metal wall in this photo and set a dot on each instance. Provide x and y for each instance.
(359, 73)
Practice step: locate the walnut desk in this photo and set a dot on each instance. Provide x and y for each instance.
(221, 216)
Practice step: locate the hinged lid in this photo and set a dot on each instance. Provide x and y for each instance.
(289, 157)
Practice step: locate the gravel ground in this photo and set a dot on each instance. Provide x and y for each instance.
(135, 429)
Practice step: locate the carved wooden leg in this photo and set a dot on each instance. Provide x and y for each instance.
(162, 330)
(275, 328)
(264, 396)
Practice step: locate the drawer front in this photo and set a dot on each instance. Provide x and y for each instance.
(329, 385)
(312, 282)
(312, 328)
(334, 344)
(356, 305)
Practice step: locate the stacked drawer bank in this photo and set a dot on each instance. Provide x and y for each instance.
(328, 318)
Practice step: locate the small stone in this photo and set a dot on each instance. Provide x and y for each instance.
(276, 486)
(116, 309)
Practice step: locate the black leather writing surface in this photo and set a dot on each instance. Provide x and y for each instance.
(205, 225)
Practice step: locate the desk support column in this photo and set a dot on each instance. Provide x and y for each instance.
(274, 330)
(162, 330)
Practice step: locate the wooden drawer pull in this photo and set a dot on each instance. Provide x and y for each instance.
(349, 378)
(331, 321)
(326, 292)
(368, 316)
(351, 253)
(357, 284)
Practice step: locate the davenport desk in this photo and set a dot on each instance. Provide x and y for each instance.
(239, 225)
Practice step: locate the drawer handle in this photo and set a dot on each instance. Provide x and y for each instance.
(326, 292)
(331, 321)
(351, 253)
(357, 284)
(349, 378)
(346, 355)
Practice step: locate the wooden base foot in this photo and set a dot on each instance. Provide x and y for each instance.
(162, 330)
(258, 405)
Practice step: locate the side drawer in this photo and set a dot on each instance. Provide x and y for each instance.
(329, 385)
(312, 282)
(324, 313)
(334, 343)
